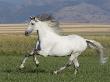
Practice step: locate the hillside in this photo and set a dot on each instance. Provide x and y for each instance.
(84, 13)
(87, 11)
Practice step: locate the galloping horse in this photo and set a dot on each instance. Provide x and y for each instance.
(50, 43)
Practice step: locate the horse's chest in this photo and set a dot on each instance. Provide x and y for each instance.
(46, 44)
(44, 48)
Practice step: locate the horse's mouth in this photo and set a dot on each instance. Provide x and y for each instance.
(26, 33)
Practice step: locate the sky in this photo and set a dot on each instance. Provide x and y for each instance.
(21, 1)
(13, 1)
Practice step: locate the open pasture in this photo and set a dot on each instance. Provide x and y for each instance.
(13, 48)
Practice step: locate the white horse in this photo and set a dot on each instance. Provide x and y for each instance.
(50, 43)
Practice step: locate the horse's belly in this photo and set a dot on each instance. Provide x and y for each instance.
(60, 50)
(59, 53)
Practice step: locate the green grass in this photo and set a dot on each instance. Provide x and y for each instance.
(14, 47)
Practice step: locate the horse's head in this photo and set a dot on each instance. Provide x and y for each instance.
(38, 22)
(34, 22)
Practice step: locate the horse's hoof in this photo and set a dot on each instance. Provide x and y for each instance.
(55, 72)
(21, 67)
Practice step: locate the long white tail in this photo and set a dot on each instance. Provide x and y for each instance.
(99, 48)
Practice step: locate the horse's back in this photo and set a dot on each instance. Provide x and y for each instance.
(77, 42)
(75, 38)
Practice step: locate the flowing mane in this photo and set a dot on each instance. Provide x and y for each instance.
(51, 21)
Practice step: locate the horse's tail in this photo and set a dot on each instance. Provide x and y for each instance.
(99, 48)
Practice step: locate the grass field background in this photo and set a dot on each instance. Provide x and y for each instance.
(66, 28)
(13, 48)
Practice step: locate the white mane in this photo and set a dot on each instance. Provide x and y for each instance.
(50, 21)
(54, 26)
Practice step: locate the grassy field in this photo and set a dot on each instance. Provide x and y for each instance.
(13, 48)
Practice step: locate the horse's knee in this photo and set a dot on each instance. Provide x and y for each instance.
(76, 64)
(69, 64)
(27, 55)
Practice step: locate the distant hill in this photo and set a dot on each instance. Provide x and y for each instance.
(84, 13)
(81, 11)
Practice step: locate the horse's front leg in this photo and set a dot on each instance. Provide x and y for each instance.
(27, 56)
(23, 62)
(35, 60)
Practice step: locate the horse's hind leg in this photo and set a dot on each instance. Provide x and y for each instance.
(72, 59)
(67, 65)
(62, 68)
(76, 64)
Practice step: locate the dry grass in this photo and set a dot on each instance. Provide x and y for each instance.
(66, 28)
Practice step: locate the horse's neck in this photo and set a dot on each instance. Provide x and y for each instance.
(47, 33)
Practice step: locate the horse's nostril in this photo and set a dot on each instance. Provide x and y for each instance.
(26, 33)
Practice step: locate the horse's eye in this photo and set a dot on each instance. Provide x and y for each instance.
(32, 23)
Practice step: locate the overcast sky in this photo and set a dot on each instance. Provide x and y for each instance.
(13, 1)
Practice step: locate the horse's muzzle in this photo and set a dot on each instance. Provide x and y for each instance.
(26, 33)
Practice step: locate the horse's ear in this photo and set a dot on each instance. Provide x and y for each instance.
(31, 17)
